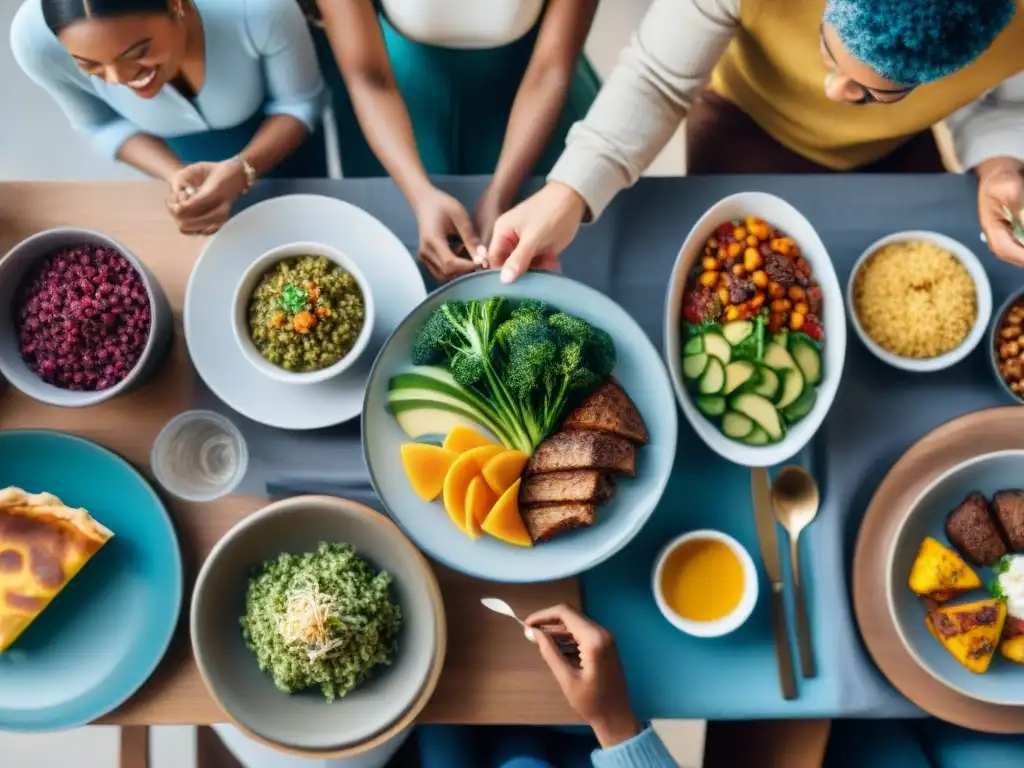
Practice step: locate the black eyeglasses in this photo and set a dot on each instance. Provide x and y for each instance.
(871, 95)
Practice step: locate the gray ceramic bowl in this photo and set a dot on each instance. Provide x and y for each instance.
(304, 722)
(994, 343)
(986, 474)
(26, 255)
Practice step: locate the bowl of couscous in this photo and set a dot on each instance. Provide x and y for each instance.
(920, 301)
(303, 313)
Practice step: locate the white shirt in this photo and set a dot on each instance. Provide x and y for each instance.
(662, 71)
(463, 23)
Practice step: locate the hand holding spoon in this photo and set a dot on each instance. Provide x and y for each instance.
(557, 632)
(795, 500)
(500, 606)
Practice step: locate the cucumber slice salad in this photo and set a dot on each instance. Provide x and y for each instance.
(751, 384)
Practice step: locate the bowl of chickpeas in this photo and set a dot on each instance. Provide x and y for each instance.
(303, 313)
(1006, 342)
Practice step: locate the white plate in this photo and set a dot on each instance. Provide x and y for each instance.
(388, 266)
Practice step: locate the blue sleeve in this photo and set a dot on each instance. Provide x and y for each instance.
(643, 751)
(281, 36)
(41, 56)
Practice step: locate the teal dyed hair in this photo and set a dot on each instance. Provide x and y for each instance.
(913, 42)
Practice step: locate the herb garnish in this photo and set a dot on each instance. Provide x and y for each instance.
(293, 298)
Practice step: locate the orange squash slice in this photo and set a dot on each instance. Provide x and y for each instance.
(479, 501)
(462, 439)
(504, 469)
(426, 466)
(504, 521)
(456, 483)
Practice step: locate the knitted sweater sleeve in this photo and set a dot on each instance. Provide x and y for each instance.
(643, 751)
(992, 126)
(646, 97)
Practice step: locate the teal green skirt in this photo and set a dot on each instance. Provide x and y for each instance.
(459, 102)
(308, 161)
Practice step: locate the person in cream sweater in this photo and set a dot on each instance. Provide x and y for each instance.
(799, 86)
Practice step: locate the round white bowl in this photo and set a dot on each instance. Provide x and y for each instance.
(781, 214)
(23, 257)
(983, 291)
(243, 295)
(726, 624)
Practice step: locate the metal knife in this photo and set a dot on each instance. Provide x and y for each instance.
(761, 491)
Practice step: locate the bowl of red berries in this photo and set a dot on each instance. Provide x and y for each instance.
(83, 320)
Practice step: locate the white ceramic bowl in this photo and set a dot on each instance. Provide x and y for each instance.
(726, 624)
(23, 257)
(247, 285)
(982, 288)
(781, 214)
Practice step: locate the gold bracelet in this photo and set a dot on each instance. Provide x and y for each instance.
(250, 174)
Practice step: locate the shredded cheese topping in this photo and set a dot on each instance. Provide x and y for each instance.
(310, 619)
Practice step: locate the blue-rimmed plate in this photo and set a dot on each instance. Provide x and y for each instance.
(639, 370)
(103, 635)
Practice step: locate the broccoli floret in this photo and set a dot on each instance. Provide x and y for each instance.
(551, 356)
(462, 336)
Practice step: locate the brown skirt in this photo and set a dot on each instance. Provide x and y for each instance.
(722, 139)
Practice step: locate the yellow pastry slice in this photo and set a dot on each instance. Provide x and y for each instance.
(43, 545)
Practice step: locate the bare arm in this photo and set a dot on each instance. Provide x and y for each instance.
(151, 155)
(542, 93)
(276, 138)
(355, 35)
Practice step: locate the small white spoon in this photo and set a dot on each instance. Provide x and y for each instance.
(500, 606)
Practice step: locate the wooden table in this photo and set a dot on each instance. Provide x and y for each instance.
(492, 675)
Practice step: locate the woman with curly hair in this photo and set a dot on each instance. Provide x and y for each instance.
(794, 86)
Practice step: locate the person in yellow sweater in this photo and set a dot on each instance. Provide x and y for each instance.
(793, 86)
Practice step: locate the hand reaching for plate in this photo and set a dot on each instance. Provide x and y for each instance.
(535, 232)
(1001, 189)
(596, 688)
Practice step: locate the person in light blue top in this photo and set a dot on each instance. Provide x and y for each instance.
(594, 684)
(206, 94)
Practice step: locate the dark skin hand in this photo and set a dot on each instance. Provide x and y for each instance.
(596, 687)
(354, 32)
(537, 106)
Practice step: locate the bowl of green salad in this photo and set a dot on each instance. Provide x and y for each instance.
(318, 627)
(303, 313)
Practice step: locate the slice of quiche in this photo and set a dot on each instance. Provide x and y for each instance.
(940, 573)
(43, 544)
(970, 632)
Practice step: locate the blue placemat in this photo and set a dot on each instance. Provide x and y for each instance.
(878, 414)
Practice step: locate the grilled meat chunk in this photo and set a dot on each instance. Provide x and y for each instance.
(546, 521)
(609, 409)
(574, 449)
(973, 532)
(1008, 507)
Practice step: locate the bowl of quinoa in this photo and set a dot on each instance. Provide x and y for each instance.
(303, 313)
(920, 301)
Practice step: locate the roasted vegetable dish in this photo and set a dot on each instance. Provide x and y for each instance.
(752, 354)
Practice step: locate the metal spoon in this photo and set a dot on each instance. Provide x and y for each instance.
(500, 606)
(795, 500)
